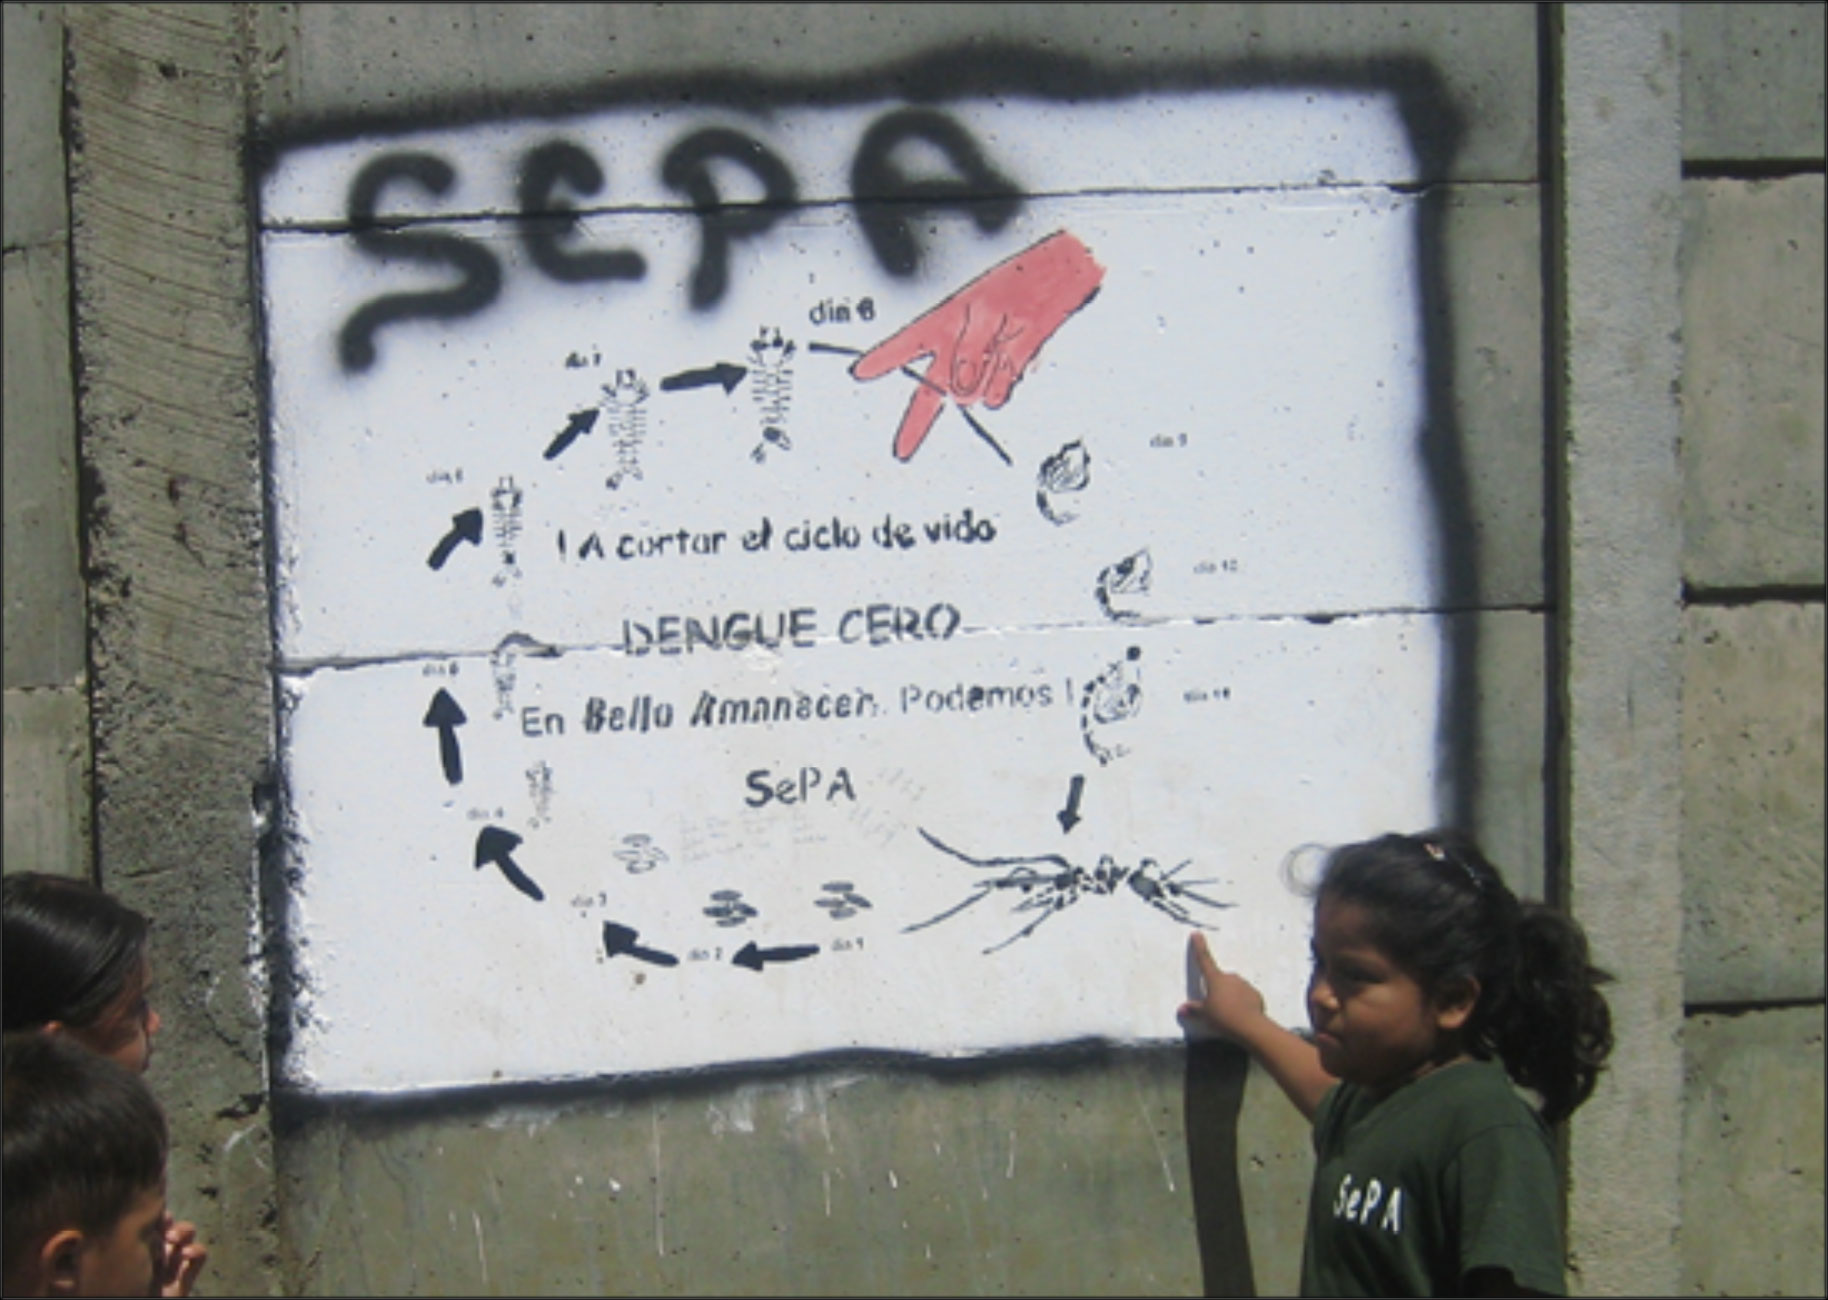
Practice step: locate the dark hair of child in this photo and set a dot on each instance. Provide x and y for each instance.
(1441, 911)
(69, 950)
(83, 1138)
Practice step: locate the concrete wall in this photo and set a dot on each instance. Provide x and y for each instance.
(1752, 740)
(1093, 1171)
(47, 707)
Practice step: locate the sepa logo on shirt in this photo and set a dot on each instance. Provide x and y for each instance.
(1355, 1204)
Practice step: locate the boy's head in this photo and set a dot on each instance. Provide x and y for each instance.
(83, 1167)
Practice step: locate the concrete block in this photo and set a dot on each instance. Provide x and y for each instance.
(47, 785)
(391, 59)
(1752, 385)
(1752, 1154)
(1752, 803)
(1751, 81)
(35, 209)
(44, 593)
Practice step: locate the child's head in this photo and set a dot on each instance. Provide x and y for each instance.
(82, 1161)
(75, 962)
(1500, 977)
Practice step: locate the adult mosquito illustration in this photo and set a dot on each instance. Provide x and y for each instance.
(1048, 884)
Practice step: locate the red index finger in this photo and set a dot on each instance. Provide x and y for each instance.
(923, 408)
(910, 343)
(983, 336)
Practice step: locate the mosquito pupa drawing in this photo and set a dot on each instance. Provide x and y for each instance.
(505, 504)
(1046, 884)
(1111, 699)
(1067, 471)
(771, 388)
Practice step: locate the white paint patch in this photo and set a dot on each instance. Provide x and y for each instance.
(482, 1255)
(635, 682)
(737, 1115)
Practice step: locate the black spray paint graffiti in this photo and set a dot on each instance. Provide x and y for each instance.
(1047, 884)
(891, 200)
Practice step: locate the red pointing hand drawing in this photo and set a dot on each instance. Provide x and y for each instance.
(984, 337)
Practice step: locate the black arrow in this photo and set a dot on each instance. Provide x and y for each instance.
(494, 844)
(755, 958)
(724, 372)
(582, 422)
(465, 527)
(619, 941)
(1069, 815)
(447, 717)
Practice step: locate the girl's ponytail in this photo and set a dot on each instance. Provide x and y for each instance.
(1554, 1031)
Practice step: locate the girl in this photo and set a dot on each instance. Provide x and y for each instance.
(76, 965)
(1434, 991)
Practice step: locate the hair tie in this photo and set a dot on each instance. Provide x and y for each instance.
(1440, 854)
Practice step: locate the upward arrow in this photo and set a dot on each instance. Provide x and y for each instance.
(446, 716)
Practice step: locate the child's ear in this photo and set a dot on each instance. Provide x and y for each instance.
(1454, 1005)
(61, 1259)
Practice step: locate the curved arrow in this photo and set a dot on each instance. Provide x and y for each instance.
(494, 844)
(445, 715)
(466, 526)
(755, 958)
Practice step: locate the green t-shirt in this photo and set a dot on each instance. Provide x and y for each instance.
(1448, 1174)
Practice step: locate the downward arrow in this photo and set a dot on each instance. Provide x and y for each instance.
(1069, 815)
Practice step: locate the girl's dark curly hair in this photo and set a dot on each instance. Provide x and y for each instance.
(1442, 912)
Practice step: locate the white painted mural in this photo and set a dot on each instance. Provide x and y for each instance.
(793, 607)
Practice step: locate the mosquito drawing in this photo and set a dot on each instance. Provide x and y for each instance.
(1048, 884)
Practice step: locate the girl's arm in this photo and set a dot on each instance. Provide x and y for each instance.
(1232, 1007)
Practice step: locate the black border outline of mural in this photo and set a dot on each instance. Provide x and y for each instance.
(1435, 123)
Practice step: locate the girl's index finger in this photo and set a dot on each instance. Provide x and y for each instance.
(1202, 952)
